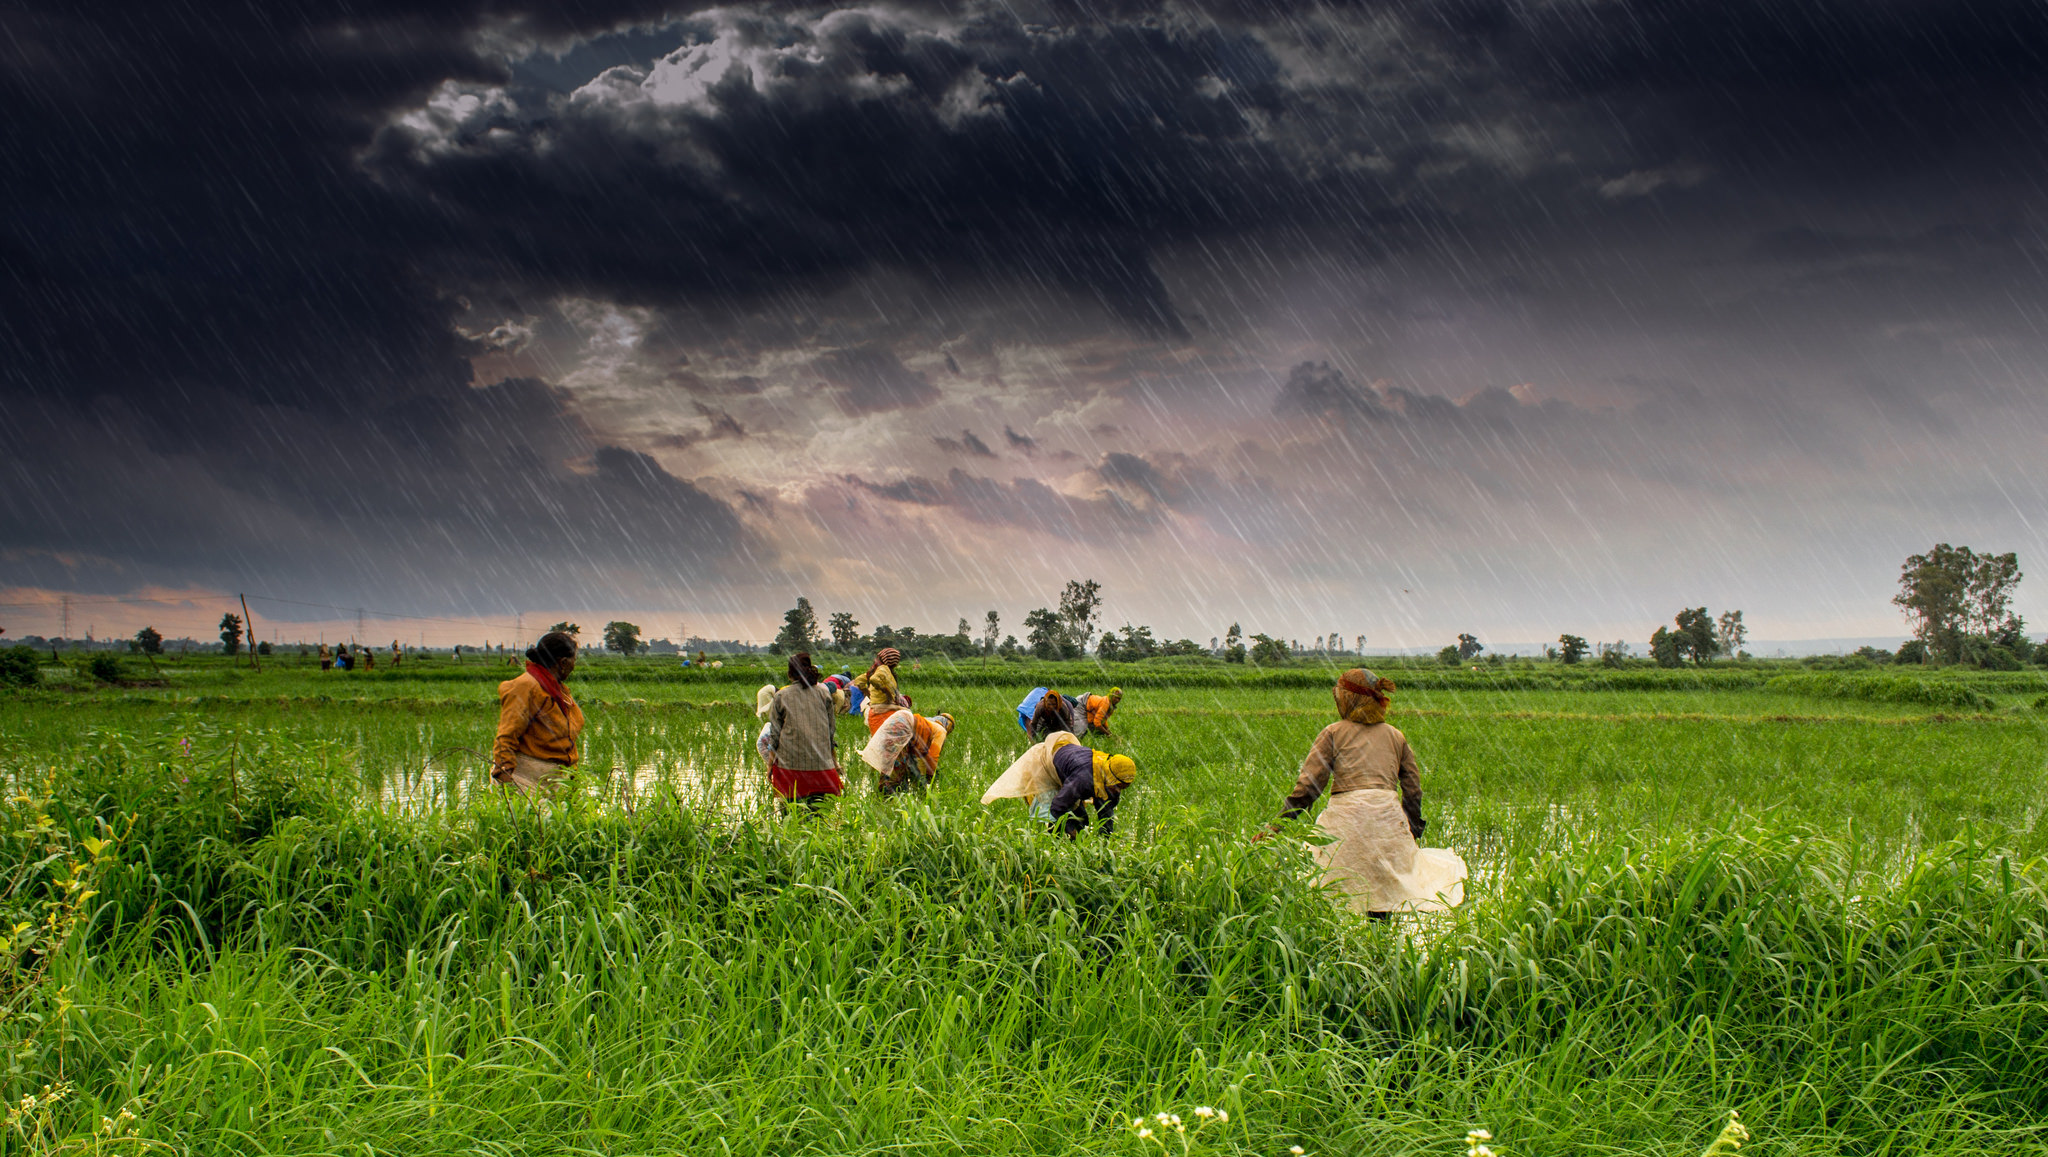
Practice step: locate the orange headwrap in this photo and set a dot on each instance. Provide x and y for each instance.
(1362, 696)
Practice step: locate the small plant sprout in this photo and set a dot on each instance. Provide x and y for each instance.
(1731, 1138)
(1475, 1143)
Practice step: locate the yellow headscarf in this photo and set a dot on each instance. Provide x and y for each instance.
(1113, 772)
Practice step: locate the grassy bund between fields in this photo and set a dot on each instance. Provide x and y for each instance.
(278, 912)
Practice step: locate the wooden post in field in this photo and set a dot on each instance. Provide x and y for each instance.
(249, 625)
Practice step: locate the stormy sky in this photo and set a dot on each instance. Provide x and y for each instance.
(1394, 319)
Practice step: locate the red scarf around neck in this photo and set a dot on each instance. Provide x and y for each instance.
(549, 684)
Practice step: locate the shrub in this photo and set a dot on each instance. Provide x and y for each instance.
(104, 667)
(18, 667)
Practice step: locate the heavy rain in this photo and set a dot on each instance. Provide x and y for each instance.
(1024, 578)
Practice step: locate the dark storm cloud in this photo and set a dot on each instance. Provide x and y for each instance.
(966, 444)
(248, 252)
(872, 379)
(1021, 504)
(476, 502)
(1022, 443)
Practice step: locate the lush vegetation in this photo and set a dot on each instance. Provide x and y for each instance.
(275, 911)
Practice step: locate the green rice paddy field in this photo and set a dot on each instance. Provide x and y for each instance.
(278, 912)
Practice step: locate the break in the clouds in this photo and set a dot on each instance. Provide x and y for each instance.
(1387, 319)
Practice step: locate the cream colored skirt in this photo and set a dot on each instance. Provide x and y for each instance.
(1376, 863)
(530, 774)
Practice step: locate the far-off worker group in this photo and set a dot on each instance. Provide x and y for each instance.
(1361, 762)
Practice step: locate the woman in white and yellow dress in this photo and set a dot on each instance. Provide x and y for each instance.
(1375, 808)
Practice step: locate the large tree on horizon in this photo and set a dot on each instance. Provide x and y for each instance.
(1953, 592)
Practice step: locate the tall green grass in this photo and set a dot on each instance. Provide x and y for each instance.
(1834, 925)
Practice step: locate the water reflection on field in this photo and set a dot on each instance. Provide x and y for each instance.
(707, 768)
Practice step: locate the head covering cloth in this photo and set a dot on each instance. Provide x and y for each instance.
(1113, 773)
(802, 671)
(1362, 697)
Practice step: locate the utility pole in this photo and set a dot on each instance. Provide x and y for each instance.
(359, 626)
(519, 630)
(66, 631)
(249, 625)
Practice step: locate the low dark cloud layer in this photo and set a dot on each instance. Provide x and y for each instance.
(259, 268)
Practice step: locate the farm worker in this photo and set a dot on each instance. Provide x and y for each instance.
(1375, 808)
(1045, 711)
(879, 686)
(843, 694)
(537, 721)
(343, 659)
(368, 657)
(326, 658)
(397, 655)
(1097, 709)
(802, 765)
(762, 698)
(1059, 779)
(904, 749)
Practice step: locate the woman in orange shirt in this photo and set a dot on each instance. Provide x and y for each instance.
(537, 720)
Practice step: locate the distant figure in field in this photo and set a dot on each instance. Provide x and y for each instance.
(803, 764)
(397, 654)
(368, 657)
(1046, 711)
(1059, 780)
(342, 658)
(326, 658)
(537, 721)
(1097, 709)
(1375, 808)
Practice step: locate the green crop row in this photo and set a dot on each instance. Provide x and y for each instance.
(1885, 689)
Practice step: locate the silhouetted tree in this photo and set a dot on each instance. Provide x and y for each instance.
(845, 632)
(1079, 604)
(1046, 632)
(622, 637)
(799, 629)
(1574, 649)
(1696, 634)
(1730, 634)
(1952, 592)
(231, 634)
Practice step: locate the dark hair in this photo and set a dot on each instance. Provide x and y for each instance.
(801, 671)
(553, 647)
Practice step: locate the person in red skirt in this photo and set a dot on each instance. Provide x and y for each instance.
(803, 766)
